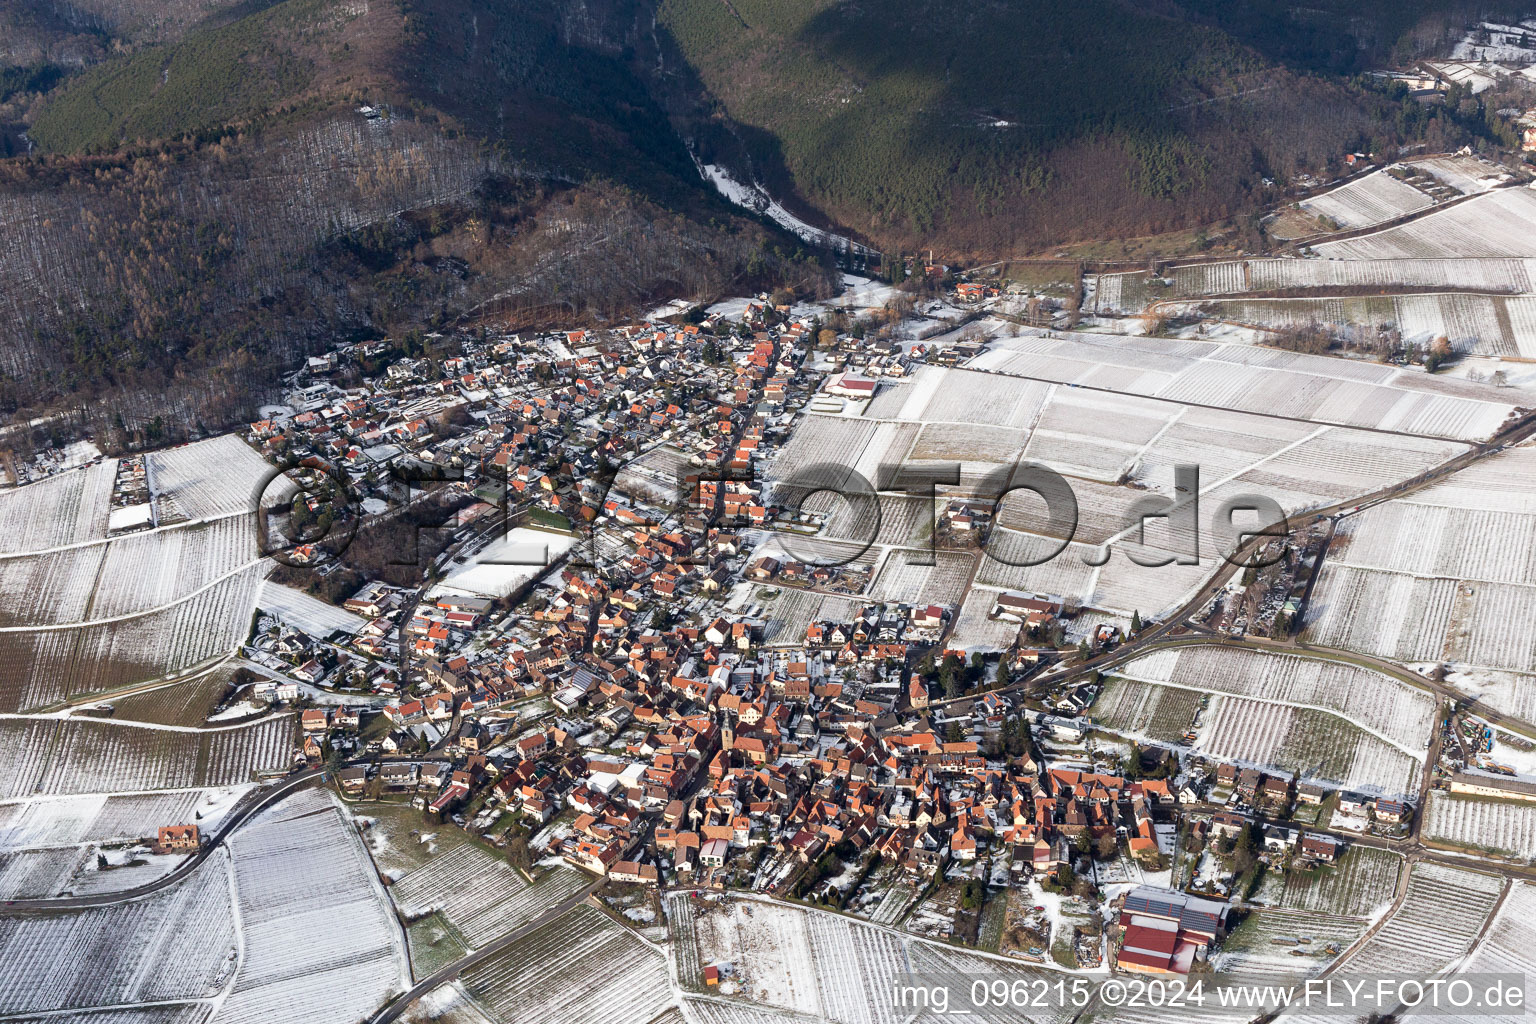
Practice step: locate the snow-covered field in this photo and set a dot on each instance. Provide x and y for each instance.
(69, 508)
(1314, 744)
(177, 944)
(1501, 223)
(822, 965)
(1279, 942)
(1435, 926)
(581, 968)
(1487, 325)
(1506, 827)
(1400, 713)
(1509, 947)
(1448, 573)
(155, 569)
(1374, 199)
(95, 817)
(303, 611)
(902, 579)
(319, 944)
(1245, 378)
(217, 477)
(480, 895)
(1361, 884)
(89, 757)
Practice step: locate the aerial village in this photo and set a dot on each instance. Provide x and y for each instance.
(567, 667)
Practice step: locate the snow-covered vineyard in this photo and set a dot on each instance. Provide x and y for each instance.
(1374, 199)
(185, 948)
(82, 612)
(481, 896)
(1441, 915)
(1447, 573)
(1502, 827)
(1393, 710)
(318, 943)
(1484, 325)
(1495, 224)
(65, 757)
(1116, 415)
(582, 968)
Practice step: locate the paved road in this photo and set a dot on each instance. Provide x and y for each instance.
(395, 1007)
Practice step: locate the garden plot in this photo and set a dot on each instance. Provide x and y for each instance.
(581, 968)
(1504, 827)
(890, 519)
(1362, 882)
(1501, 223)
(1374, 199)
(481, 896)
(974, 631)
(1393, 709)
(1313, 744)
(145, 571)
(1278, 942)
(769, 944)
(177, 944)
(902, 580)
(70, 508)
(306, 612)
(1435, 925)
(218, 477)
(1158, 713)
(319, 942)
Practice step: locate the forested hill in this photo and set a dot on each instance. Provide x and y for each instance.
(1012, 124)
(201, 210)
(191, 196)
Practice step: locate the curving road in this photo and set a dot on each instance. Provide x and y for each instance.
(248, 805)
